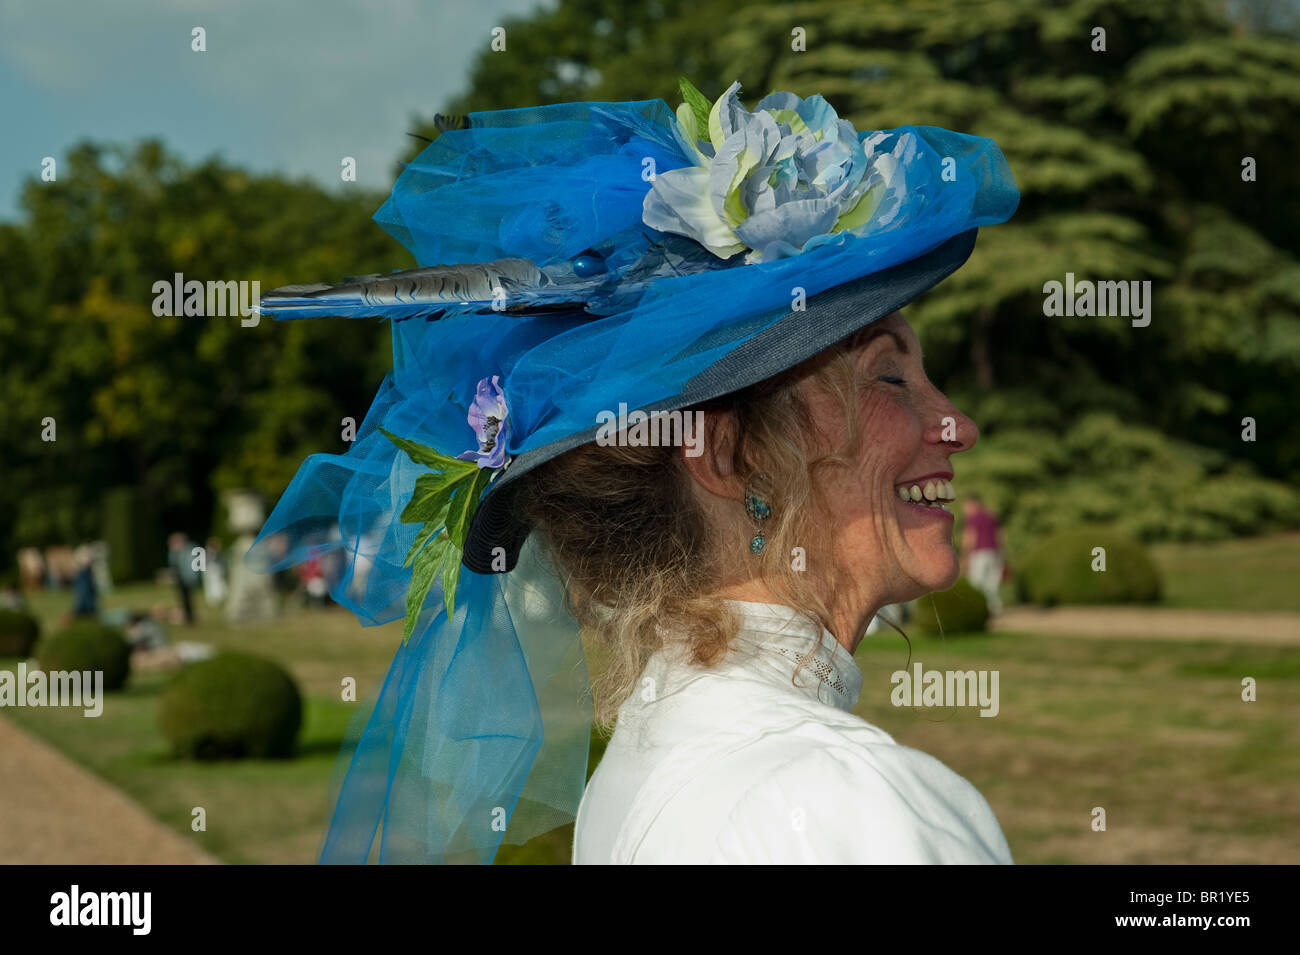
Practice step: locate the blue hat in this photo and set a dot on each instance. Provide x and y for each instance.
(575, 258)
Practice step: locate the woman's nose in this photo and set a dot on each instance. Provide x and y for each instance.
(948, 426)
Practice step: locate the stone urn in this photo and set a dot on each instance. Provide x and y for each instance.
(252, 595)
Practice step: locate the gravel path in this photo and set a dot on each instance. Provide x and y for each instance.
(53, 812)
(1156, 623)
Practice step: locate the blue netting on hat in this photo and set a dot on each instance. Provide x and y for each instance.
(480, 731)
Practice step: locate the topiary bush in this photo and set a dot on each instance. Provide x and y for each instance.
(232, 706)
(18, 633)
(1042, 475)
(961, 609)
(1058, 570)
(88, 645)
(136, 544)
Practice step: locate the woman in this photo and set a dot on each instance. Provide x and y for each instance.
(740, 269)
(737, 755)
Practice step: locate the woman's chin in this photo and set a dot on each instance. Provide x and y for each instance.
(939, 572)
(934, 576)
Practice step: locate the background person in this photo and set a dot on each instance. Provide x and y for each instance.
(181, 561)
(85, 601)
(981, 548)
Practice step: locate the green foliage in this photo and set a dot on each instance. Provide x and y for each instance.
(87, 645)
(19, 631)
(603, 49)
(234, 705)
(698, 103)
(1059, 569)
(960, 609)
(1104, 470)
(444, 502)
(136, 545)
(176, 407)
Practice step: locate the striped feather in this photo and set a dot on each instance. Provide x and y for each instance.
(412, 292)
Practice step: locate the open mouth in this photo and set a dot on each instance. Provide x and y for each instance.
(934, 493)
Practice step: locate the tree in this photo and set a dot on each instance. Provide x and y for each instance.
(178, 407)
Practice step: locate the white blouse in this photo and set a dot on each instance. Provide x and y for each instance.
(747, 763)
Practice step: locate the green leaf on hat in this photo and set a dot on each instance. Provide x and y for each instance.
(423, 454)
(444, 502)
(699, 104)
(427, 565)
(432, 495)
(422, 538)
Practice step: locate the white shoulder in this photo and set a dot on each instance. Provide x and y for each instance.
(853, 804)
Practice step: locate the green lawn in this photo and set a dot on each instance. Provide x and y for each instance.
(1154, 732)
(258, 811)
(1250, 574)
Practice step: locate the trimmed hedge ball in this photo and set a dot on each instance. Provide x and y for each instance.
(961, 609)
(1059, 569)
(19, 632)
(232, 706)
(88, 645)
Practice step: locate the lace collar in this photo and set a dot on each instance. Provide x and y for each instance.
(779, 638)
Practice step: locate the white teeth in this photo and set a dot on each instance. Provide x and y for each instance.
(937, 490)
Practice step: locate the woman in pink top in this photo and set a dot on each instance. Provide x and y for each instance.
(981, 547)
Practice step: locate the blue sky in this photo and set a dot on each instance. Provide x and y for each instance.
(286, 86)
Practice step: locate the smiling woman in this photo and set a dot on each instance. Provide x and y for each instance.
(730, 673)
(754, 280)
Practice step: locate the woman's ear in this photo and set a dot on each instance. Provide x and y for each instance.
(712, 469)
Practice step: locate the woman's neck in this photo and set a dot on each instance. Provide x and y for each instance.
(848, 619)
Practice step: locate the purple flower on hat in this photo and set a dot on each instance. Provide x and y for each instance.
(489, 417)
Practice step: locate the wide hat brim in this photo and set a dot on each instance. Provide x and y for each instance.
(498, 528)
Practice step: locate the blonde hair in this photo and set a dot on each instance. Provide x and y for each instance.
(636, 551)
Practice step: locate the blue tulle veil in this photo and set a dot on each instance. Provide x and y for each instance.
(479, 733)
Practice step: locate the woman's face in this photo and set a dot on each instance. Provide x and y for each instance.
(890, 549)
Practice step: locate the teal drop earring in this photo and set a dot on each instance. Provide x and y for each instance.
(759, 511)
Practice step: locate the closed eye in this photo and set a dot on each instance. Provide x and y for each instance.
(892, 380)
